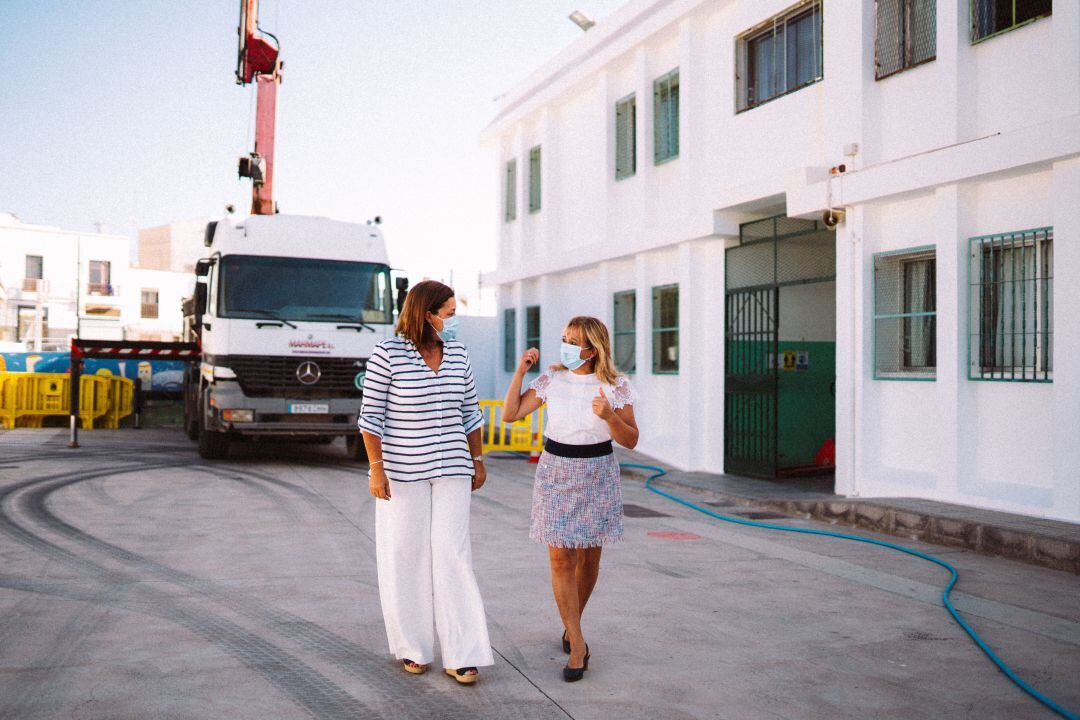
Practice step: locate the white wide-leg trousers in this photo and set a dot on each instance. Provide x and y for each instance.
(424, 555)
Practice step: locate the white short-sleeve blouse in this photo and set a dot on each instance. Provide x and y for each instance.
(569, 396)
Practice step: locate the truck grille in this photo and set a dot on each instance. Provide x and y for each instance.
(270, 376)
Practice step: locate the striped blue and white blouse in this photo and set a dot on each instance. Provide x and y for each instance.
(422, 417)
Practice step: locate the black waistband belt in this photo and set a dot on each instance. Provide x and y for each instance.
(578, 451)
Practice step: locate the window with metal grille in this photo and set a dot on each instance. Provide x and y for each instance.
(905, 35)
(665, 329)
(991, 17)
(625, 138)
(625, 331)
(149, 304)
(666, 117)
(534, 179)
(532, 331)
(1011, 306)
(779, 56)
(510, 339)
(905, 314)
(511, 191)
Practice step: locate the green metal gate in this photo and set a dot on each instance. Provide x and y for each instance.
(772, 254)
(750, 381)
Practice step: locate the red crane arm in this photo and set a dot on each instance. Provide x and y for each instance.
(258, 61)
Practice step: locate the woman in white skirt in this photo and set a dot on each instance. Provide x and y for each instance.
(421, 425)
(577, 498)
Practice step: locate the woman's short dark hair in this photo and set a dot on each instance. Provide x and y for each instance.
(425, 297)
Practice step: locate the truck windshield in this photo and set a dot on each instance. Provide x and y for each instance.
(254, 286)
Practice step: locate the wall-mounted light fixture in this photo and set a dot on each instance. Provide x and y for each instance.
(582, 20)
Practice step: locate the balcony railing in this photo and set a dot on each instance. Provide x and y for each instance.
(149, 311)
(100, 289)
(33, 285)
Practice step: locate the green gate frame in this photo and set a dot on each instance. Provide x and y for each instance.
(751, 386)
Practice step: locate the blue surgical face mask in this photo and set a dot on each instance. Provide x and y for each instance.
(571, 356)
(449, 328)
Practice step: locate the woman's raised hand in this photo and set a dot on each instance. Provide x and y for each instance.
(528, 358)
(601, 407)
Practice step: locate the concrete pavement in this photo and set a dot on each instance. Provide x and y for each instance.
(137, 581)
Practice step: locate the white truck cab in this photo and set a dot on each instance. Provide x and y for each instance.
(287, 310)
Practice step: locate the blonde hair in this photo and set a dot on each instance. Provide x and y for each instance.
(595, 333)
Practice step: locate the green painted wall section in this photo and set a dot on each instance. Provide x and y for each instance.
(806, 404)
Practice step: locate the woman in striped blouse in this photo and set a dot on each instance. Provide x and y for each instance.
(421, 424)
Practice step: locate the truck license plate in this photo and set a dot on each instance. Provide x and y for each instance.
(308, 408)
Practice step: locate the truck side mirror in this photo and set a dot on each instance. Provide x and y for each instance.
(208, 236)
(200, 302)
(402, 285)
(202, 268)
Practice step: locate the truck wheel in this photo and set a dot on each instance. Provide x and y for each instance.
(212, 445)
(191, 427)
(191, 422)
(354, 447)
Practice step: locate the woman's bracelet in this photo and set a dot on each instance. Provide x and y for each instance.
(374, 462)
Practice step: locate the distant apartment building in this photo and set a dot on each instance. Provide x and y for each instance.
(671, 172)
(176, 246)
(58, 284)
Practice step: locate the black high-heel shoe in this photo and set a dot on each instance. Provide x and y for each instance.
(565, 643)
(570, 674)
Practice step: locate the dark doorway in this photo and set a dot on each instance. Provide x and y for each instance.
(780, 344)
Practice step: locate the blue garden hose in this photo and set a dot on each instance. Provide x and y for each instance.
(1008, 671)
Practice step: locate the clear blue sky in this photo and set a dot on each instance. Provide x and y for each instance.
(127, 113)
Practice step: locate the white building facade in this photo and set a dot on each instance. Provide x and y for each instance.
(670, 172)
(58, 284)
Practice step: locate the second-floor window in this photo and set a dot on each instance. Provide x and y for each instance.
(534, 179)
(35, 267)
(666, 117)
(100, 278)
(990, 17)
(782, 55)
(905, 35)
(149, 307)
(35, 272)
(625, 138)
(511, 191)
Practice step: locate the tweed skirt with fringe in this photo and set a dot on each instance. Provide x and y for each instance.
(577, 502)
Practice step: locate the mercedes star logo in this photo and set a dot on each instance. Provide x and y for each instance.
(308, 372)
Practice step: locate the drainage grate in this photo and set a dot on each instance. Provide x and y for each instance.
(761, 515)
(919, 635)
(639, 511)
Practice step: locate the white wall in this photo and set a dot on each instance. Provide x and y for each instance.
(480, 334)
(172, 288)
(983, 139)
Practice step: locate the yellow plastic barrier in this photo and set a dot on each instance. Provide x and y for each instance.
(27, 398)
(120, 397)
(525, 435)
(9, 384)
